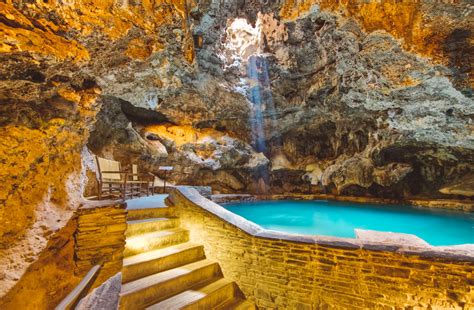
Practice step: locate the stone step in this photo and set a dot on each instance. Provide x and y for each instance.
(137, 227)
(237, 303)
(148, 213)
(145, 264)
(208, 296)
(155, 240)
(147, 291)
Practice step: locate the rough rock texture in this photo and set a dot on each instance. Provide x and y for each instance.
(347, 102)
(340, 98)
(100, 239)
(199, 156)
(442, 31)
(371, 98)
(48, 279)
(464, 187)
(104, 297)
(57, 58)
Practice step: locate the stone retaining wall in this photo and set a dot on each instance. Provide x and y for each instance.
(285, 271)
(100, 238)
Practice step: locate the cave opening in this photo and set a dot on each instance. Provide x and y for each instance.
(244, 48)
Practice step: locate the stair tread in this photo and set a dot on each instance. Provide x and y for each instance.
(150, 220)
(192, 295)
(149, 202)
(164, 276)
(156, 254)
(149, 241)
(157, 234)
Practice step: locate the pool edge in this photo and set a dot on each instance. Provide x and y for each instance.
(443, 204)
(456, 252)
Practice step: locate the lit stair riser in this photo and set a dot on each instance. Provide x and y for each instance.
(138, 214)
(152, 241)
(155, 288)
(152, 262)
(217, 292)
(138, 227)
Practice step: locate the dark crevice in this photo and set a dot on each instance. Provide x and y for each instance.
(459, 49)
(141, 115)
(13, 23)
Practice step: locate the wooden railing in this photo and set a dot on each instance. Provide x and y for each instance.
(80, 290)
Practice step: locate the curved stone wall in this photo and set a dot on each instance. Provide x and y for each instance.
(285, 271)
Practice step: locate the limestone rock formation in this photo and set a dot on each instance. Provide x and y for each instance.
(57, 58)
(346, 94)
(362, 98)
(328, 74)
(207, 155)
(441, 31)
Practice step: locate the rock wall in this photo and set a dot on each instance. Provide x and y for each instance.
(353, 98)
(443, 30)
(95, 235)
(48, 279)
(287, 274)
(106, 296)
(352, 108)
(199, 156)
(58, 60)
(100, 239)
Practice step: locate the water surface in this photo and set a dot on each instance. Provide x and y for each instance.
(339, 219)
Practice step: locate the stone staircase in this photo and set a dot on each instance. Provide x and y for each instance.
(163, 270)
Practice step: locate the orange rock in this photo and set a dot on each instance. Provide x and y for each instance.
(419, 24)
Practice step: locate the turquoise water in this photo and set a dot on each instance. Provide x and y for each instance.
(339, 219)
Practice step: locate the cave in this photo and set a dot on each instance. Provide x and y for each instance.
(208, 154)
